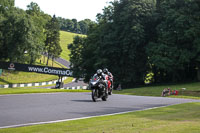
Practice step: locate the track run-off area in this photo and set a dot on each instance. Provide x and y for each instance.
(31, 109)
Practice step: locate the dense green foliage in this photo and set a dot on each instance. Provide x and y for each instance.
(74, 26)
(176, 48)
(116, 42)
(6, 3)
(135, 37)
(22, 33)
(52, 41)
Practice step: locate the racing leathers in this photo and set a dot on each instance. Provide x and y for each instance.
(104, 78)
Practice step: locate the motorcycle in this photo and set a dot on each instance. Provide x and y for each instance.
(98, 88)
(109, 85)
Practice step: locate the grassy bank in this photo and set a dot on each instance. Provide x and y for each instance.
(157, 90)
(161, 120)
(65, 39)
(24, 77)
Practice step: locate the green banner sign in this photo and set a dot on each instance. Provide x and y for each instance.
(1, 71)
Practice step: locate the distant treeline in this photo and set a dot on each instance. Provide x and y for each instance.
(74, 26)
(135, 39)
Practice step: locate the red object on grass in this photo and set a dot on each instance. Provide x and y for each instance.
(176, 92)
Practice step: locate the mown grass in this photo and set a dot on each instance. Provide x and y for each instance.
(28, 90)
(66, 81)
(65, 39)
(24, 77)
(157, 90)
(161, 120)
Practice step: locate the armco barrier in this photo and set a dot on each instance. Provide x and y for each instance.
(76, 88)
(30, 84)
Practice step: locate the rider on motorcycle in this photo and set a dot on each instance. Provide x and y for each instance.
(102, 76)
(110, 76)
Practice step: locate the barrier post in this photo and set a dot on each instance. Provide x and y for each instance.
(1, 71)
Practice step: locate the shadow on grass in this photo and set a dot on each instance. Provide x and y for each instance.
(195, 93)
(4, 81)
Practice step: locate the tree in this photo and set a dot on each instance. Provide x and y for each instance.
(134, 38)
(7, 3)
(5, 7)
(118, 42)
(22, 33)
(52, 41)
(18, 35)
(69, 25)
(73, 25)
(76, 26)
(174, 54)
(84, 25)
(40, 19)
(76, 52)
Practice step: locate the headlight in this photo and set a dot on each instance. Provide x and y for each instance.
(93, 83)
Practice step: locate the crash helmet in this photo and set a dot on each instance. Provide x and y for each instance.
(105, 70)
(99, 72)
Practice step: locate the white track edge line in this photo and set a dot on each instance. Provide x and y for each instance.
(64, 120)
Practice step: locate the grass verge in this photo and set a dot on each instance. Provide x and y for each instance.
(156, 90)
(161, 120)
(29, 90)
(25, 77)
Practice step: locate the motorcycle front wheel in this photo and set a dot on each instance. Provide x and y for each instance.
(94, 95)
(104, 98)
(110, 92)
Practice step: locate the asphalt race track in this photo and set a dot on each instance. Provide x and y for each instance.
(29, 109)
(72, 84)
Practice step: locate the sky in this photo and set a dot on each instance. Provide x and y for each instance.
(68, 9)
